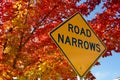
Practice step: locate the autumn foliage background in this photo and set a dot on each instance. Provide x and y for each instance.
(26, 50)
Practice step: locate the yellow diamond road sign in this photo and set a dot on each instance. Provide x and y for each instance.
(79, 43)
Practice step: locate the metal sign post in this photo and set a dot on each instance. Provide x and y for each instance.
(80, 78)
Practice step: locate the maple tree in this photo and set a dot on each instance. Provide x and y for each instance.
(26, 50)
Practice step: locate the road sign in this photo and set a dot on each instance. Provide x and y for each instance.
(79, 43)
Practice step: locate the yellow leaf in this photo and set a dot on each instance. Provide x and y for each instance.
(7, 49)
(1, 78)
(5, 75)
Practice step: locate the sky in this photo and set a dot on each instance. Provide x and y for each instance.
(110, 66)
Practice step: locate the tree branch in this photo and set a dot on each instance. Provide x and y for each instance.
(21, 39)
(23, 44)
(20, 47)
(39, 25)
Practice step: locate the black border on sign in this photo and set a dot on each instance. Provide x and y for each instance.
(65, 54)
